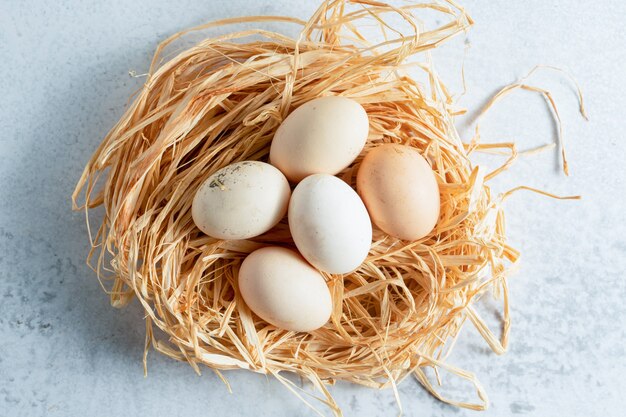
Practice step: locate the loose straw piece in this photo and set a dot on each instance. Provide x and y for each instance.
(220, 102)
(547, 95)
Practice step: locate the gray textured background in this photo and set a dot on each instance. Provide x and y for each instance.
(64, 82)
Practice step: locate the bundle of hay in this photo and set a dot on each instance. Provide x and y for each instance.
(220, 102)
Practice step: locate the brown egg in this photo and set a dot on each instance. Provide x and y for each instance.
(400, 191)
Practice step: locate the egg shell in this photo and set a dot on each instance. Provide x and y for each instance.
(322, 136)
(283, 289)
(400, 191)
(329, 224)
(241, 200)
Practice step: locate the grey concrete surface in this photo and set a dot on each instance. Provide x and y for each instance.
(64, 82)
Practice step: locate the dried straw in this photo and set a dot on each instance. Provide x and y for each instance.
(220, 102)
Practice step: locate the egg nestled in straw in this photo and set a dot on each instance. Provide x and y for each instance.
(400, 191)
(284, 290)
(240, 201)
(329, 224)
(322, 136)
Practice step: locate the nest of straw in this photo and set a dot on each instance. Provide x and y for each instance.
(221, 101)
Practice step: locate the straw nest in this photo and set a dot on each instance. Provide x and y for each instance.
(220, 102)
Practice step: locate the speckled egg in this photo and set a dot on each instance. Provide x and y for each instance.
(241, 200)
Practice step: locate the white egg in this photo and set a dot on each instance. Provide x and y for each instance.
(283, 289)
(241, 200)
(322, 136)
(329, 224)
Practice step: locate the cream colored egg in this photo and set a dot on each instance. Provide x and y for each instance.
(400, 191)
(329, 224)
(322, 136)
(241, 200)
(284, 290)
